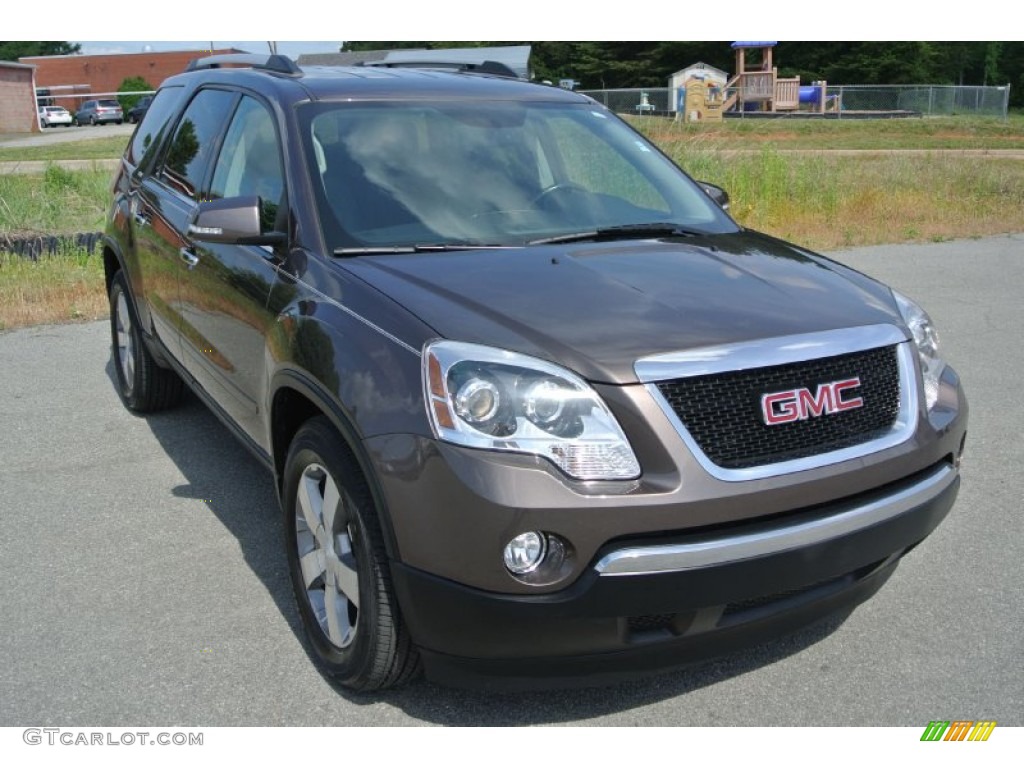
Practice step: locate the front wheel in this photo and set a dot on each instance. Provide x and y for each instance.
(142, 384)
(339, 566)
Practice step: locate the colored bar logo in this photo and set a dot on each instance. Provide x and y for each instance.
(958, 730)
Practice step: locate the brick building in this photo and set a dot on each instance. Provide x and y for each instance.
(104, 73)
(17, 98)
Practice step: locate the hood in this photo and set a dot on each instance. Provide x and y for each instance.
(596, 308)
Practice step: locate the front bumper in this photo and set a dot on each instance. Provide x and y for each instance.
(653, 604)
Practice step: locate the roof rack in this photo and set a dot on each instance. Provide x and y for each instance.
(483, 68)
(273, 62)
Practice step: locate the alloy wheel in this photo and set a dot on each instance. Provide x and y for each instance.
(324, 534)
(125, 342)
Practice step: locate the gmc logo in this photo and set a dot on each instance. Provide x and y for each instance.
(800, 404)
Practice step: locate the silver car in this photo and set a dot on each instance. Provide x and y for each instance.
(97, 111)
(54, 116)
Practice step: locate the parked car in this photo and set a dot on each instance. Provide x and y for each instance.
(99, 111)
(54, 116)
(136, 113)
(535, 406)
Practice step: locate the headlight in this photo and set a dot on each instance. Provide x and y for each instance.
(926, 338)
(503, 401)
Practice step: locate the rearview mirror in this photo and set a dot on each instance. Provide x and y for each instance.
(716, 193)
(233, 220)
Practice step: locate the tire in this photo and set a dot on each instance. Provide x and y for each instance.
(142, 384)
(341, 579)
(119, 121)
(92, 120)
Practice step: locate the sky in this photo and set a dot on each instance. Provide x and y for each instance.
(289, 48)
(524, 20)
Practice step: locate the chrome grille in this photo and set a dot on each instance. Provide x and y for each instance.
(722, 411)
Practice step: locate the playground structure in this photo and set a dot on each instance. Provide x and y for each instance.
(753, 88)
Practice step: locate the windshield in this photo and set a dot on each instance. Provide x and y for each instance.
(488, 173)
(108, 103)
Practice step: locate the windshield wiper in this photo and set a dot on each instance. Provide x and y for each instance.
(373, 250)
(622, 232)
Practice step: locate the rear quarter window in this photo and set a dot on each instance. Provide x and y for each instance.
(149, 135)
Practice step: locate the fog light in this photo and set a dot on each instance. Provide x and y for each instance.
(525, 552)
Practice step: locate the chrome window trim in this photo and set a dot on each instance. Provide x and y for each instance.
(666, 558)
(781, 351)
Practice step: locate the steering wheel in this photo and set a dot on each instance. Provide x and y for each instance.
(561, 187)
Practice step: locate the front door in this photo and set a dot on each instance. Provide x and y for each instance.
(224, 294)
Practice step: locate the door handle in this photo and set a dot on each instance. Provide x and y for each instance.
(138, 210)
(188, 257)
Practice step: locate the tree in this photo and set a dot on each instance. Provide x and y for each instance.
(132, 84)
(14, 50)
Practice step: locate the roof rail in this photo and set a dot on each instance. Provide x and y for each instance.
(273, 62)
(483, 68)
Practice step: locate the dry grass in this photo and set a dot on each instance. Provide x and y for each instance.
(841, 202)
(56, 289)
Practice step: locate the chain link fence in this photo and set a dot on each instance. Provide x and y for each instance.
(854, 100)
(931, 100)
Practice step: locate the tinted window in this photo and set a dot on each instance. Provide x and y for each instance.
(109, 103)
(189, 153)
(488, 172)
(250, 161)
(150, 132)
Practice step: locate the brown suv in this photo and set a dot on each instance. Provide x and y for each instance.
(536, 407)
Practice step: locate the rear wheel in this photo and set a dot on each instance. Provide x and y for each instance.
(142, 384)
(339, 566)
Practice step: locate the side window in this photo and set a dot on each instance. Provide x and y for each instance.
(250, 160)
(150, 132)
(188, 155)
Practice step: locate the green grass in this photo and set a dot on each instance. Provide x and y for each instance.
(109, 148)
(56, 202)
(909, 133)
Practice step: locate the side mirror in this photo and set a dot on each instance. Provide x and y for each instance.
(716, 193)
(234, 220)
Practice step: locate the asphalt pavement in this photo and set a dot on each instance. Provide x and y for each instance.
(144, 576)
